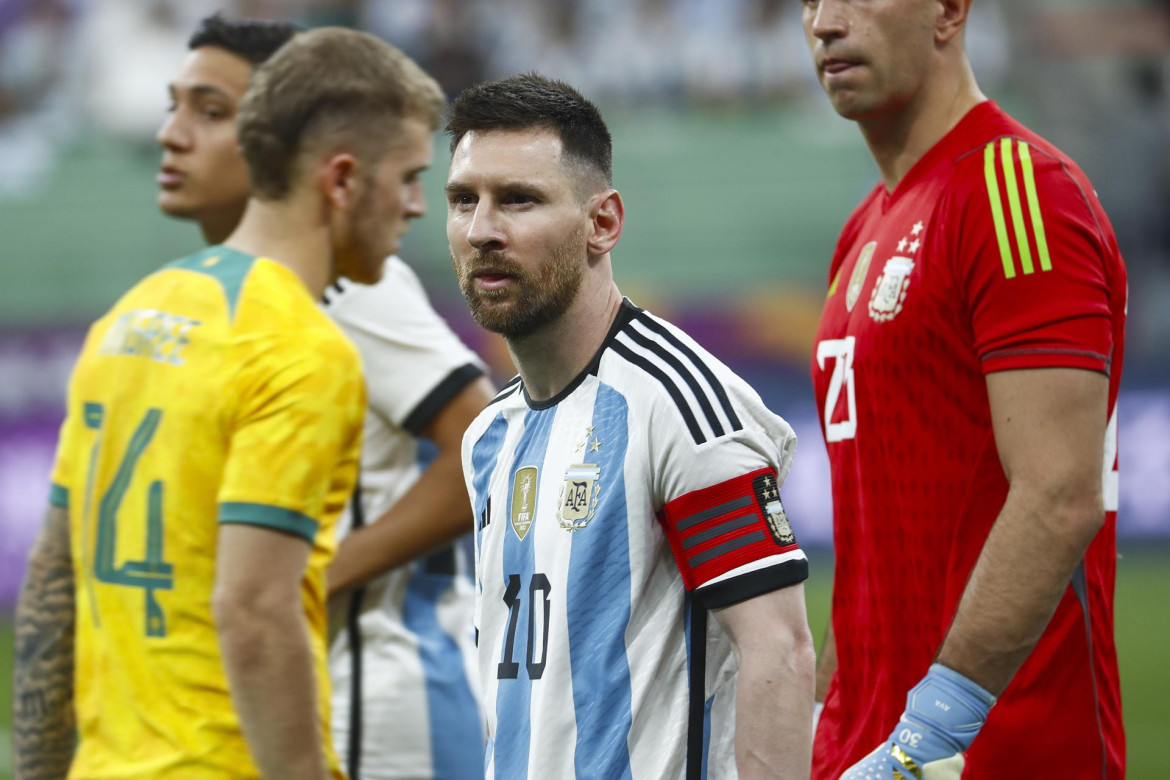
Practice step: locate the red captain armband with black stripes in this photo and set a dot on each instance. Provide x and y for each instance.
(732, 541)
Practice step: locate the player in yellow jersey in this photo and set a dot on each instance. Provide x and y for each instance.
(405, 702)
(174, 602)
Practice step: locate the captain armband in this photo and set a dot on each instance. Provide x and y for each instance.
(732, 541)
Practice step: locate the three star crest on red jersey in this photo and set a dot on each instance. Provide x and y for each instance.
(889, 292)
(893, 284)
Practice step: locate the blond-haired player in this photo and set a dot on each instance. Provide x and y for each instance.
(211, 439)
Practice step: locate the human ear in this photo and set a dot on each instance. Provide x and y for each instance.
(340, 181)
(607, 218)
(951, 19)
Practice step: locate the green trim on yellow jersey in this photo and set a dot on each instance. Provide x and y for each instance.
(267, 516)
(59, 496)
(227, 266)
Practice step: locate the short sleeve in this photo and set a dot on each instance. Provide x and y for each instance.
(721, 508)
(414, 363)
(64, 481)
(1032, 261)
(62, 478)
(296, 431)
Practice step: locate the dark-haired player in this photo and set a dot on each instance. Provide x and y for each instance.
(966, 369)
(640, 609)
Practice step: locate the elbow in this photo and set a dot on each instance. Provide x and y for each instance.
(804, 657)
(1086, 519)
(449, 461)
(1079, 510)
(799, 648)
(244, 618)
(1071, 508)
(797, 640)
(1076, 526)
(788, 650)
(232, 626)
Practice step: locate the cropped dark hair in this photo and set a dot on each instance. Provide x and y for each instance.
(533, 101)
(249, 39)
(329, 85)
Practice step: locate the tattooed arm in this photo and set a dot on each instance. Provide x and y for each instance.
(42, 696)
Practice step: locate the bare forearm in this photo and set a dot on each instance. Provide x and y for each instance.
(269, 664)
(1018, 581)
(773, 714)
(42, 697)
(433, 513)
(1049, 429)
(774, 694)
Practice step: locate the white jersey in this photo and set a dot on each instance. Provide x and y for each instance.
(413, 673)
(609, 519)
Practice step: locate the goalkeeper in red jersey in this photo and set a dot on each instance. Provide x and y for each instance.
(966, 370)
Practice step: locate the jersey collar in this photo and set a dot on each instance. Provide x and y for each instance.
(950, 145)
(626, 312)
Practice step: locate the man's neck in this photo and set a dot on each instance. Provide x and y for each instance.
(217, 226)
(285, 232)
(551, 358)
(900, 139)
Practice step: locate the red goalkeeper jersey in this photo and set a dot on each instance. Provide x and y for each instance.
(992, 254)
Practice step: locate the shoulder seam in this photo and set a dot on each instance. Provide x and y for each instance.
(667, 383)
(984, 144)
(232, 288)
(1085, 200)
(991, 149)
(660, 354)
(699, 363)
(657, 356)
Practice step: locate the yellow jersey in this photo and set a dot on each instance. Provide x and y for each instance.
(215, 391)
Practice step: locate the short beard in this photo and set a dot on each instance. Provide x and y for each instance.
(540, 297)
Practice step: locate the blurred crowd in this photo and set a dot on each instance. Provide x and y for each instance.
(104, 56)
(71, 67)
(107, 54)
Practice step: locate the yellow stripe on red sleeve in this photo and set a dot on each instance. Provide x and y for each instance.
(1018, 189)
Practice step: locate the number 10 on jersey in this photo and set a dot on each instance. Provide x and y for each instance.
(538, 613)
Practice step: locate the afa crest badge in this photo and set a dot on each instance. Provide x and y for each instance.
(889, 292)
(579, 495)
(768, 497)
(524, 500)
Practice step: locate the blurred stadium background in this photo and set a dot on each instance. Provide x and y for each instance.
(736, 175)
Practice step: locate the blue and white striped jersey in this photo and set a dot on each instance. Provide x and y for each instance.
(609, 519)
